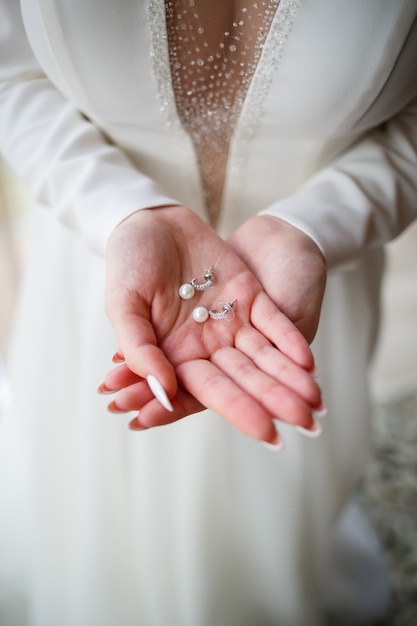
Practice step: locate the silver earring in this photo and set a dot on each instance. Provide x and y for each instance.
(226, 312)
(187, 290)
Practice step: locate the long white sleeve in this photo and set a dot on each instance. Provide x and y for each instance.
(363, 199)
(63, 159)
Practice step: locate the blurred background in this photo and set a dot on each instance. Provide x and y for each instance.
(388, 491)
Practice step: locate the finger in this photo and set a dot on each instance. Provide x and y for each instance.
(276, 326)
(120, 377)
(139, 347)
(152, 414)
(131, 398)
(217, 391)
(277, 365)
(280, 401)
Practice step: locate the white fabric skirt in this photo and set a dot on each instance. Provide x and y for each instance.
(191, 524)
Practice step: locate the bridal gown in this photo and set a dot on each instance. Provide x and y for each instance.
(194, 524)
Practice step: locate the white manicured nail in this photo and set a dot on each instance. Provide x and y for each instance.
(320, 412)
(159, 392)
(314, 431)
(314, 373)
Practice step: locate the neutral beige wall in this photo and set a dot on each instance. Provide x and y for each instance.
(14, 206)
(395, 368)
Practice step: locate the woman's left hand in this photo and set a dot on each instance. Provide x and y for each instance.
(289, 266)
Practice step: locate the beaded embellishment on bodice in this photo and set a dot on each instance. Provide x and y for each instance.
(214, 49)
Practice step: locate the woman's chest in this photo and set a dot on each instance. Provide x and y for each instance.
(327, 66)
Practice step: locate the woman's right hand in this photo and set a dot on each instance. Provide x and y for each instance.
(250, 370)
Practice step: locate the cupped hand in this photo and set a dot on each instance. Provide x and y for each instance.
(251, 370)
(289, 266)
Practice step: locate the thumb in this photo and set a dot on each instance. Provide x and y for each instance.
(139, 346)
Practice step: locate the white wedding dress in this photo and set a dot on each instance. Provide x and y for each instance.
(194, 524)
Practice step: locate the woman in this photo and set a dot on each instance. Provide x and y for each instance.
(291, 128)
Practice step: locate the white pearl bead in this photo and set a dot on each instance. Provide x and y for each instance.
(186, 291)
(200, 314)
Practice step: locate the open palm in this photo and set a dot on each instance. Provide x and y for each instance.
(250, 370)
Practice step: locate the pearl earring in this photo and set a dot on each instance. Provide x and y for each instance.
(187, 290)
(201, 314)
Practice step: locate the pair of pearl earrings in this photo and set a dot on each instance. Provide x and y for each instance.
(222, 310)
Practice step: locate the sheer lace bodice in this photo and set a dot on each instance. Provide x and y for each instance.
(214, 49)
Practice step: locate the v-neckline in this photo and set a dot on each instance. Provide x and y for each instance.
(250, 108)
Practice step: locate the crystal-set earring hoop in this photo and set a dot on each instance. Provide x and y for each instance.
(226, 312)
(187, 290)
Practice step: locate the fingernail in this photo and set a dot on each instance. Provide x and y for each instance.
(314, 431)
(276, 445)
(118, 358)
(113, 408)
(104, 389)
(314, 373)
(159, 392)
(321, 411)
(136, 425)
